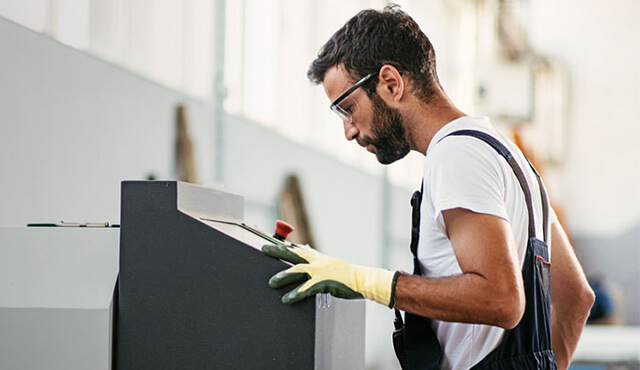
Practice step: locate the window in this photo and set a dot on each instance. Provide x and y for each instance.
(170, 42)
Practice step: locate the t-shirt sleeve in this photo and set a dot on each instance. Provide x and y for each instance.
(465, 175)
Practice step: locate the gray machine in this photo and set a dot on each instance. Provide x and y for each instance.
(193, 293)
(190, 288)
(56, 297)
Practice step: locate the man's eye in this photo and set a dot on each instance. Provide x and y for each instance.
(349, 108)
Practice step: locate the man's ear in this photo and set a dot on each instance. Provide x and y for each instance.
(391, 85)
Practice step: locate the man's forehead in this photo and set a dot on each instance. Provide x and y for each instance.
(336, 81)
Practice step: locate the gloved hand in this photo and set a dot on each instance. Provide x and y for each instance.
(323, 274)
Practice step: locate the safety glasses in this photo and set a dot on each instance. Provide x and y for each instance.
(345, 112)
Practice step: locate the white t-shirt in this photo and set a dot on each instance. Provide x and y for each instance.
(465, 172)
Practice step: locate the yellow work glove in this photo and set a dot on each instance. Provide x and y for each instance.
(323, 274)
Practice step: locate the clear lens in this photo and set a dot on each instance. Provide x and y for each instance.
(344, 115)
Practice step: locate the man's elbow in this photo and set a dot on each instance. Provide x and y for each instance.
(577, 298)
(510, 310)
(585, 299)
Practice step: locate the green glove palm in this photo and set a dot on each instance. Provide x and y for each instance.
(323, 274)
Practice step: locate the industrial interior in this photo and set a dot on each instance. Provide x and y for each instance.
(143, 124)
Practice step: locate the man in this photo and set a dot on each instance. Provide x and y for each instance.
(475, 229)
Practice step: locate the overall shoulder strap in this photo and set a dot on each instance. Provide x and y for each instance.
(416, 201)
(545, 201)
(504, 152)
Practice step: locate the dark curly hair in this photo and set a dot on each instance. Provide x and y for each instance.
(374, 38)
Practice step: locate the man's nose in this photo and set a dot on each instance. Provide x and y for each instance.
(350, 130)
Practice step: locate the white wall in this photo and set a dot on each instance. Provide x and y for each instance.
(598, 43)
(74, 126)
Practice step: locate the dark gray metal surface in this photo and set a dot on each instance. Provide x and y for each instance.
(191, 297)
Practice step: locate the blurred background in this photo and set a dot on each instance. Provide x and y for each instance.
(93, 92)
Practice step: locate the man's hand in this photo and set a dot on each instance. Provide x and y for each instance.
(323, 274)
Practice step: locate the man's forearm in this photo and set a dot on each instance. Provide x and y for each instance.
(571, 297)
(467, 298)
(566, 328)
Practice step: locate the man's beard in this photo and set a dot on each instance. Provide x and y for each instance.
(388, 133)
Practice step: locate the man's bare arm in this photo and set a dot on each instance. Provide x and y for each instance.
(489, 290)
(571, 297)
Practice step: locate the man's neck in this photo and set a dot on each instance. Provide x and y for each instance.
(426, 119)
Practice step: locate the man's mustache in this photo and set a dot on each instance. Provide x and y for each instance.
(363, 141)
